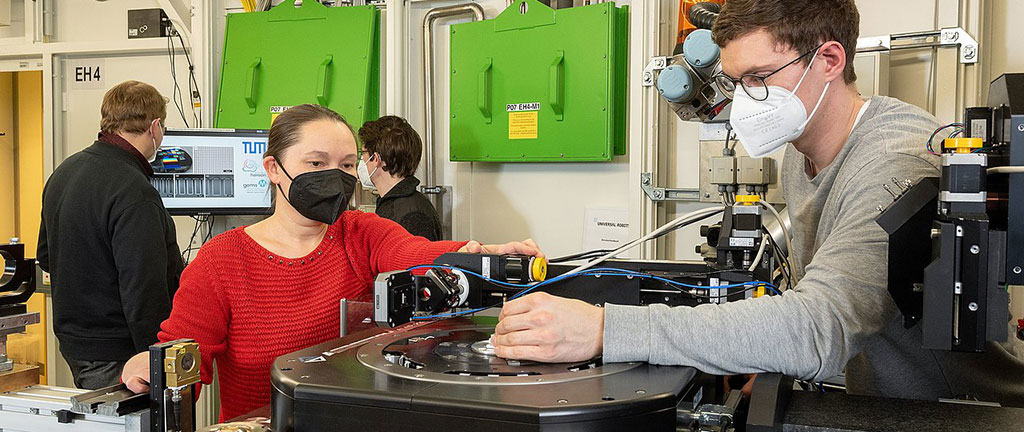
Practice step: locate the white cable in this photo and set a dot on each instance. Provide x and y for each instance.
(782, 224)
(1006, 170)
(684, 219)
(760, 253)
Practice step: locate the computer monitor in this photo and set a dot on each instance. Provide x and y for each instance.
(212, 171)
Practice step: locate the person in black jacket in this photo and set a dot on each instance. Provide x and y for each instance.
(391, 152)
(108, 242)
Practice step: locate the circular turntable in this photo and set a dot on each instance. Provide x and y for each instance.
(442, 375)
(464, 356)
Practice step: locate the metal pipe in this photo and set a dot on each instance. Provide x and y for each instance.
(428, 76)
(778, 234)
(343, 317)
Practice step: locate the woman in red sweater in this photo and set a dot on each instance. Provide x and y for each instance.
(258, 292)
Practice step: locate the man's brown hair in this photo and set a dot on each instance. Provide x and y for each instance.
(396, 142)
(800, 24)
(131, 107)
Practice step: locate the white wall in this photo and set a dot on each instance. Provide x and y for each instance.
(1006, 36)
(502, 202)
(499, 202)
(95, 32)
(17, 27)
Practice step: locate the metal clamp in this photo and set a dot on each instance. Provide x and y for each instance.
(947, 37)
(659, 194)
(656, 64)
(181, 364)
(711, 416)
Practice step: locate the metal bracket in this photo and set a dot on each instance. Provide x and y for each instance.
(656, 64)
(713, 417)
(441, 198)
(180, 15)
(947, 37)
(113, 401)
(659, 194)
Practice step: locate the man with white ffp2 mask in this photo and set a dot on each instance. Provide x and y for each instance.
(393, 148)
(789, 66)
(766, 117)
(108, 242)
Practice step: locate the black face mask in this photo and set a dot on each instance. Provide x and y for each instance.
(320, 195)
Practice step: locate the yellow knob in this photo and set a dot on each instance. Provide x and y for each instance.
(539, 269)
(747, 199)
(963, 145)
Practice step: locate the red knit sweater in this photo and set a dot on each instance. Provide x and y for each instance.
(246, 306)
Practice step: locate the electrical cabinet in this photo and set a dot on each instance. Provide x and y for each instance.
(540, 85)
(292, 55)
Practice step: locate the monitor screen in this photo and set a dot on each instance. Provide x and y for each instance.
(212, 171)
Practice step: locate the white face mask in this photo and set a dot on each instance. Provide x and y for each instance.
(764, 127)
(156, 148)
(365, 174)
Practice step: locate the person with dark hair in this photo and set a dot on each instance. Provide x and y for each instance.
(788, 67)
(391, 152)
(108, 242)
(261, 291)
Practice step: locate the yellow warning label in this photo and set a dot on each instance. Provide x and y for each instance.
(522, 125)
(276, 110)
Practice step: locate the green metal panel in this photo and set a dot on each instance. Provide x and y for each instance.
(540, 85)
(291, 55)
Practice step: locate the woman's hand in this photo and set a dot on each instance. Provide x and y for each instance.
(135, 375)
(525, 247)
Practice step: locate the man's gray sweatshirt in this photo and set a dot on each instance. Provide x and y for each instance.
(839, 313)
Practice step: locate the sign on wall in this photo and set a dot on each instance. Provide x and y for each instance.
(86, 73)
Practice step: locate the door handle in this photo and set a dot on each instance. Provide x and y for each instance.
(324, 80)
(484, 95)
(251, 80)
(556, 87)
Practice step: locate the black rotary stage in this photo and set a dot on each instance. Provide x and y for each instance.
(442, 376)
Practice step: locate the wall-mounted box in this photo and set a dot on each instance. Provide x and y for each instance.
(291, 55)
(540, 85)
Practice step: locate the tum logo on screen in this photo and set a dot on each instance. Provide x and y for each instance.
(254, 147)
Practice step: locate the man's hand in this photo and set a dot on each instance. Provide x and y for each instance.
(545, 328)
(525, 247)
(135, 375)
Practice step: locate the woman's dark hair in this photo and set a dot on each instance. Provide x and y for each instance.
(287, 127)
(396, 142)
(285, 131)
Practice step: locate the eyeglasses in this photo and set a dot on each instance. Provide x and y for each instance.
(755, 85)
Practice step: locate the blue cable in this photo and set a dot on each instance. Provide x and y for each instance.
(498, 282)
(590, 272)
(623, 272)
